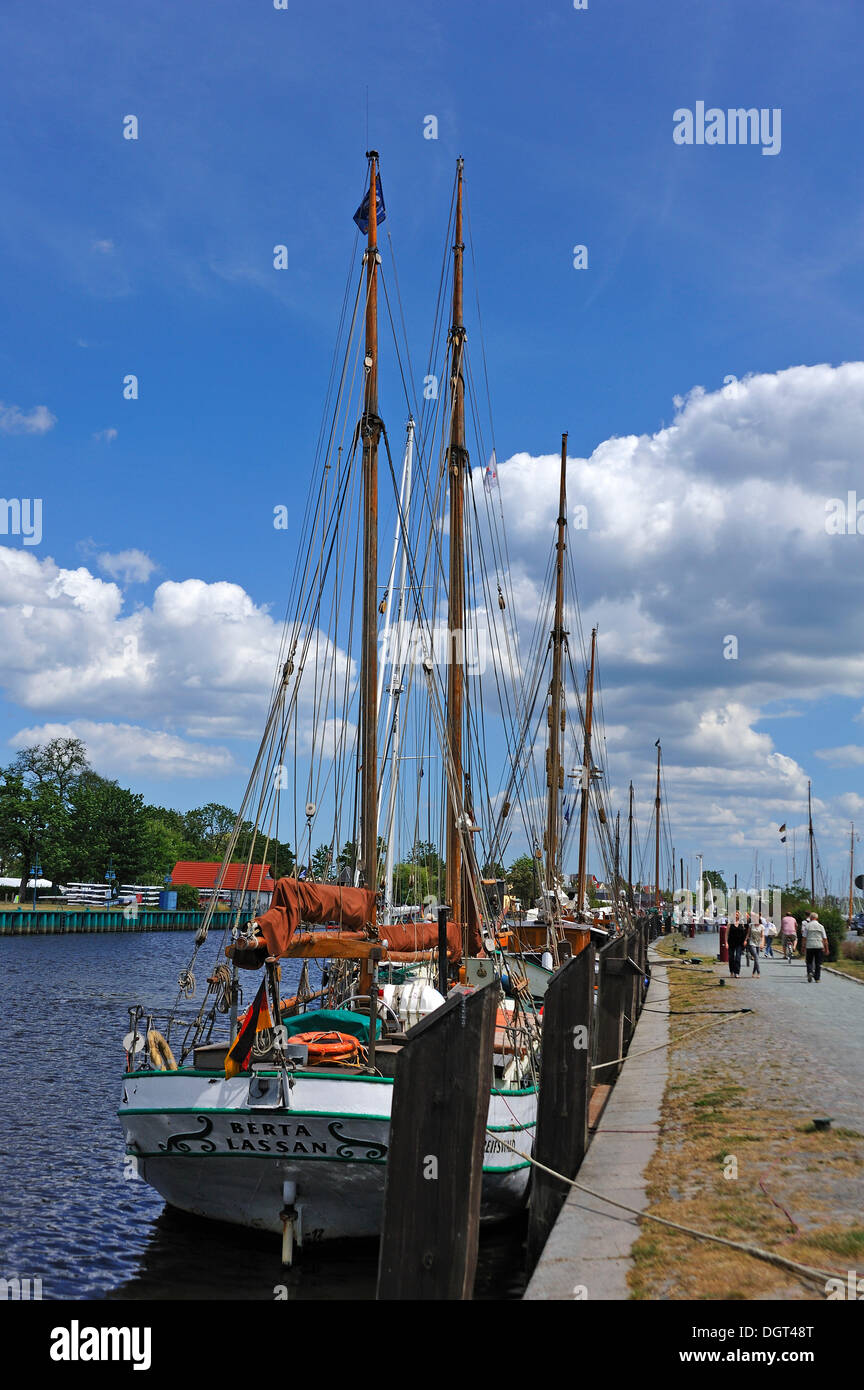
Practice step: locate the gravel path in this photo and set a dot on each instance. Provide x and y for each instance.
(819, 1027)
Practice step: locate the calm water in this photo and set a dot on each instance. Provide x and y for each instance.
(68, 1216)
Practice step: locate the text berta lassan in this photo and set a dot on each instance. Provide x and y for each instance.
(737, 126)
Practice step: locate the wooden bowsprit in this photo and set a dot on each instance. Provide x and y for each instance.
(435, 1162)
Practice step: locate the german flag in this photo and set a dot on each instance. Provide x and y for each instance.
(255, 1020)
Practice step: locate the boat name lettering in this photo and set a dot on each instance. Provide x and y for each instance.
(296, 1130)
(494, 1146)
(279, 1146)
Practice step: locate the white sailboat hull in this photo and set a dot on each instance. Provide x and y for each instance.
(224, 1148)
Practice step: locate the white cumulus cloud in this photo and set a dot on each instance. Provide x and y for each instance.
(39, 420)
(128, 750)
(128, 566)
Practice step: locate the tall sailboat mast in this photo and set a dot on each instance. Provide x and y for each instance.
(397, 604)
(371, 434)
(657, 834)
(586, 780)
(812, 856)
(457, 463)
(630, 850)
(555, 772)
(852, 870)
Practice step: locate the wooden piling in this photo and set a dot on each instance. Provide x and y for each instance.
(613, 981)
(435, 1162)
(633, 993)
(565, 1092)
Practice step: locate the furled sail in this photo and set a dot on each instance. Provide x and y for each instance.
(295, 901)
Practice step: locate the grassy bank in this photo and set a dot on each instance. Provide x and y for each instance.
(739, 1157)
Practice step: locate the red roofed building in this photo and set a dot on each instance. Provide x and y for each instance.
(248, 886)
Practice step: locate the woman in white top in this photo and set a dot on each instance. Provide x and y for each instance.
(755, 942)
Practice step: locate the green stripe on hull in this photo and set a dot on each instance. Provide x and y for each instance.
(250, 1114)
(309, 1158)
(307, 1075)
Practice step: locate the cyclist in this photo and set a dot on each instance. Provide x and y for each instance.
(789, 936)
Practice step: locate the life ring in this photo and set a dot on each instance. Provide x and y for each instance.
(335, 1047)
(160, 1053)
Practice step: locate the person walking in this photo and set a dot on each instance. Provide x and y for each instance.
(815, 945)
(735, 938)
(755, 942)
(770, 931)
(789, 934)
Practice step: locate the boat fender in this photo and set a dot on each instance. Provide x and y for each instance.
(160, 1053)
(416, 1000)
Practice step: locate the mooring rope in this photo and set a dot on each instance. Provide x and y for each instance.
(819, 1276)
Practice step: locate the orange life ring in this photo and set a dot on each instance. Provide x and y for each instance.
(336, 1047)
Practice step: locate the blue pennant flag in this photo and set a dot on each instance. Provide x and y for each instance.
(361, 216)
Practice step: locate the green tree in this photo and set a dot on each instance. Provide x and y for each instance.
(187, 897)
(105, 822)
(346, 859)
(34, 804)
(492, 869)
(56, 764)
(425, 852)
(33, 821)
(411, 883)
(321, 863)
(716, 879)
(163, 845)
(522, 876)
(208, 827)
(834, 923)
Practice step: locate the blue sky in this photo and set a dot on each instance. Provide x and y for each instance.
(155, 257)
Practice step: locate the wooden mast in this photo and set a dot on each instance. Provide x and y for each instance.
(852, 873)
(586, 780)
(812, 857)
(630, 850)
(371, 434)
(457, 463)
(657, 834)
(554, 771)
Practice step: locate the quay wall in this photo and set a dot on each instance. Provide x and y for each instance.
(50, 923)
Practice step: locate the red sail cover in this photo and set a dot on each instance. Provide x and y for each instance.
(406, 937)
(352, 909)
(295, 901)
